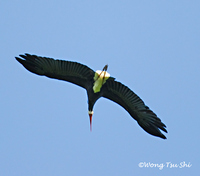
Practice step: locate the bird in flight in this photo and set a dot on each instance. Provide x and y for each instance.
(97, 84)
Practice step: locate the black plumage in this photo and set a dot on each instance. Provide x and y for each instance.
(83, 76)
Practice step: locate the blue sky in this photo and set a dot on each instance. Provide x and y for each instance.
(150, 46)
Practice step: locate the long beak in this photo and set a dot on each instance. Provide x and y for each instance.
(90, 115)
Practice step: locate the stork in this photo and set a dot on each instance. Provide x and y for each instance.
(97, 84)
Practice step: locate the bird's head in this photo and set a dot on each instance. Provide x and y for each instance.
(90, 116)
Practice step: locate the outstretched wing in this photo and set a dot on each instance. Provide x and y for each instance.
(125, 97)
(59, 69)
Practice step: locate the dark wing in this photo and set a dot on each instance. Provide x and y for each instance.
(125, 97)
(59, 69)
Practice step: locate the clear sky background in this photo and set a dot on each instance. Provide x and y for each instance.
(153, 47)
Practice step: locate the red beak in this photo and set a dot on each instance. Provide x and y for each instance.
(90, 122)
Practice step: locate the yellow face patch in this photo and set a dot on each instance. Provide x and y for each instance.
(100, 78)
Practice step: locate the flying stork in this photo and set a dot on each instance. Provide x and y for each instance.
(97, 84)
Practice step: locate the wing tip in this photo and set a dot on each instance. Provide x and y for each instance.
(162, 136)
(154, 129)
